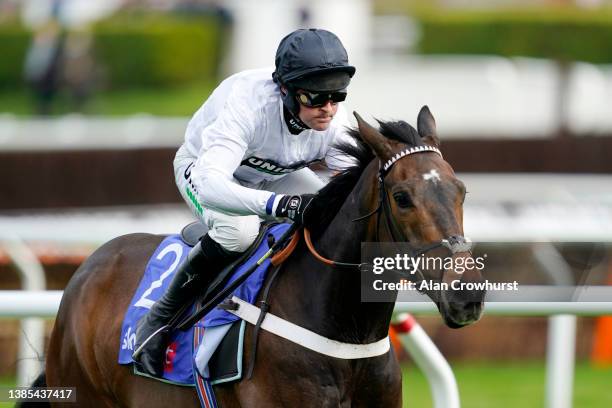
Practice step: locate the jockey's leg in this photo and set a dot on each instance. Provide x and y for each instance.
(227, 238)
(202, 265)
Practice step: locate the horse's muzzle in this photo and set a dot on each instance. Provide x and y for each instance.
(461, 307)
(457, 315)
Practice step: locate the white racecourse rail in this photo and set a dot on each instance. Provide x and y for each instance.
(20, 304)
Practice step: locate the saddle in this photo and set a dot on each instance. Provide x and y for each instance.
(192, 233)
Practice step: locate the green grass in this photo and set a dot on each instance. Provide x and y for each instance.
(180, 101)
(495, 385)
(7, 382)
(499, 385)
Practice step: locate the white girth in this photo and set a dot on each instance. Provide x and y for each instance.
(307, 338)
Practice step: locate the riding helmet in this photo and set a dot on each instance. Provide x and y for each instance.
(311, 59)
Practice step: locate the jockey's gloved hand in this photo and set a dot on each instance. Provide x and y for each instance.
(293, 207)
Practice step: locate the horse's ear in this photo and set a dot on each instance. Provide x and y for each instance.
(427, 127)
(373, 138)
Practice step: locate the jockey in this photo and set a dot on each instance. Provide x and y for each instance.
(245, 159)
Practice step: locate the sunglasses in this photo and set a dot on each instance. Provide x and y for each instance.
(316, 100)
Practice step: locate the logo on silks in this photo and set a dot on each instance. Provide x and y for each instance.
(296, 125)
(271, 167)
(129, 340)
(171, 353)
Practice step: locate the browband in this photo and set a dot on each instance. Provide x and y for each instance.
(411, 150)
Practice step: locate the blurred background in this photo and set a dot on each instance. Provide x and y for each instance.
(95, 96)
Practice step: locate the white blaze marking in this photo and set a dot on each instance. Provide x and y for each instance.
(433, 176)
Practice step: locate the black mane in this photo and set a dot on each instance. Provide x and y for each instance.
(331, 197)
(401, 132)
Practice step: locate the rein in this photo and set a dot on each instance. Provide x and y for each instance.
(321, 258)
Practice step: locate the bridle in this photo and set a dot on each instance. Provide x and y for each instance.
(455, 243)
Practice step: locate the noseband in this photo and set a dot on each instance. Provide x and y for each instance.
(455, 243)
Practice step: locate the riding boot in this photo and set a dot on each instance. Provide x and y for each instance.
(204, 262)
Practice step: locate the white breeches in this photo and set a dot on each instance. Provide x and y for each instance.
(236, 233)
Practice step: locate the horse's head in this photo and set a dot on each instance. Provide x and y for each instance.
(421, 201)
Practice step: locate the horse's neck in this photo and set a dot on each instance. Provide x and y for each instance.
(343, 237)
(331, 297)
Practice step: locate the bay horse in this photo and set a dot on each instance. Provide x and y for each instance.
(84, 344)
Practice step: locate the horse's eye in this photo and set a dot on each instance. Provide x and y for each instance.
(403, 199)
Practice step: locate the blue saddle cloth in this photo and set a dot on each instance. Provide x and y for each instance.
(179, 363)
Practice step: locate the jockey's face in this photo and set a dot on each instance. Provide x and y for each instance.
(320, 117)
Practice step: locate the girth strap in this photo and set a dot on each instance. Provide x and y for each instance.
(305, 337)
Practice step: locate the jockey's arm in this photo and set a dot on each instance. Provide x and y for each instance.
(228, 140)
(219, 191)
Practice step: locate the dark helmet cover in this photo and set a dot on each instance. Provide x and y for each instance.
(314, 60)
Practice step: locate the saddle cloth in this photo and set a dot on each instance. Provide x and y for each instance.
(179, 364)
